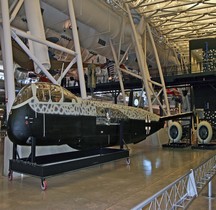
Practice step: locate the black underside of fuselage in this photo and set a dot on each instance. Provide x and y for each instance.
(79, 132)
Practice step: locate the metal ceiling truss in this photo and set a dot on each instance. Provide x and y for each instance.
(16, 34)
(178, 21)
(148, 84)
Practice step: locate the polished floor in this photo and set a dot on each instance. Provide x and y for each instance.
(111, 186)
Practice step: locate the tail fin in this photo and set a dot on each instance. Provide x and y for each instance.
(176, 116)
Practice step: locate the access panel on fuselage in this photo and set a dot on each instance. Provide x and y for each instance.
(62, 129)
(131, 131)
(70, 126)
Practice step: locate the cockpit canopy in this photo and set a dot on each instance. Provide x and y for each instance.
(44, 92)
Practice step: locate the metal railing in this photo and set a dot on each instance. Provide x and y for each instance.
(180, 193)
(175, 70)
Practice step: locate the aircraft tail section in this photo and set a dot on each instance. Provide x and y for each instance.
(176, 116)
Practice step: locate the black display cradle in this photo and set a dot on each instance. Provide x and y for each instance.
(53, 164)
(176, 145)
(204, 146)
(48, 165)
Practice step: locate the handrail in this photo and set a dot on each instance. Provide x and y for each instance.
(181, 192)
(175, 70)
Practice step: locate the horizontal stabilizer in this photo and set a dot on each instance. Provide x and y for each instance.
(176, 116)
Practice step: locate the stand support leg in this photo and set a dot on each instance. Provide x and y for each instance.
(33, 149)
(14, 151)
(121, 135)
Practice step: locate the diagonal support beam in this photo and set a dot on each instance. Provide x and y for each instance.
(118, 71)
(33, 57)
(77, 49)
(159, 69)
(141, 59)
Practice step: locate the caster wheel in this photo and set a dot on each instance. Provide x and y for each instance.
(10, 175)
(43, 184)
(128, 161)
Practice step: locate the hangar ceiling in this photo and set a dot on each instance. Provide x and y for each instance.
(174, 22)
(177, 21)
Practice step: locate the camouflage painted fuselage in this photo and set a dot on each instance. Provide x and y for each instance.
(82, 124)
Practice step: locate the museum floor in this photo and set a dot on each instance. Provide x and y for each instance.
(113, 185)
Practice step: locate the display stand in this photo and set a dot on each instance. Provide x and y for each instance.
(211, 146)
(176, 145)
(53, 164)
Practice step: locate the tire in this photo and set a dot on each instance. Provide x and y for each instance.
(204, 132)
(128, 161)
(43, 184)
(175, 132)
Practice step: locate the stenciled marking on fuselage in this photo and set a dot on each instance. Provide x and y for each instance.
(148, 127)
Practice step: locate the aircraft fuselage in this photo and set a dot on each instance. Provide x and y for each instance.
(80, 123)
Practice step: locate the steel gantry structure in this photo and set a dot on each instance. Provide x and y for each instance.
(139, 34)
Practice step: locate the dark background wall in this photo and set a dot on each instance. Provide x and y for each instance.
(205, 96)
(202, 43)
(208, 47)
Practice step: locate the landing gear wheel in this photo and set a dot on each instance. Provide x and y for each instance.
(175, 132)
(128, 161)
(204, 132)
(43, 184)
(10, 175)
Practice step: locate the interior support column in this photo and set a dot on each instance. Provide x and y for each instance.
(141, 59)
(36, 28)
(160, 70)
(9, 75)
(77, 49)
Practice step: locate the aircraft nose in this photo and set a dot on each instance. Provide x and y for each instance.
(17, 128)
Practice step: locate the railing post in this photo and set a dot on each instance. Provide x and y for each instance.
(210, 194)
(210, 189)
